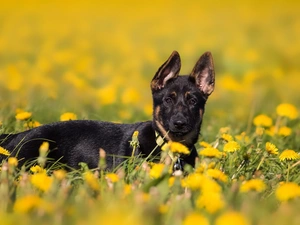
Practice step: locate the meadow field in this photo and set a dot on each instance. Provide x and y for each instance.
(62, 60)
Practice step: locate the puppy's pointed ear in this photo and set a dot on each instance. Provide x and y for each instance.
(204, 74)
(170, 69)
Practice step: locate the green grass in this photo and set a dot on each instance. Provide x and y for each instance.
(97, 60)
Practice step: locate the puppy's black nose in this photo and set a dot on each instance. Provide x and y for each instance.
(179, 124)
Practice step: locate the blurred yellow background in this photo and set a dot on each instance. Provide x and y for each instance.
(97, 58)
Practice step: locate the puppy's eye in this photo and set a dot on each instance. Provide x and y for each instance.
(168, 100)
(192, 101)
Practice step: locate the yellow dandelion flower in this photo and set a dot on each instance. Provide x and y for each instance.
(210, 201)
(271, 131)
(156, 170)
(201, 168)
(262, 120)
(288, 154)
(285, 131)
(205, 144)
(3, 151)
(287, 191)
(211, 152)
(27, 203)
(197, 181)
(163, 208)
(177, 147)
(91, 180)
(171, 181)
(210, 185)
(60, 174)
(287, 110)
(232, 218)
(243, 137)
(231, 146)
(112, 177)
(13, 161)
(195, 218)
(23, 115)
(68, 116)
(211, 165)
(41, 181)
(227, 137)
(224, 130)
(37, 169)
(31, 124)
(253, 185)
(217, 174)
(259, 131)
(193, 181)
(142, 197)
(127, 189)
(271, 148)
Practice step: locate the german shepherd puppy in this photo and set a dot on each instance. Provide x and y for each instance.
(178, 108)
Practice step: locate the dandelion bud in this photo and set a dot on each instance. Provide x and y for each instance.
(102, 159)
(12, 161)
(135, 134)
(43, 153)
(44, 148)
(60, 174)
(102, 153)
(135, 141)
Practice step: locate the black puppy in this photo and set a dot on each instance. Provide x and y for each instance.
(178, 103)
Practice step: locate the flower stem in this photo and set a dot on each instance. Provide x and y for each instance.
(288, 173)
(277, 124)
(260, 163)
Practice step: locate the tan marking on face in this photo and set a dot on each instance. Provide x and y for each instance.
(155, 84)
(159, 123)
(186, 95)
(156, 112)
(201, 113)
(174, 94)
(162, 130)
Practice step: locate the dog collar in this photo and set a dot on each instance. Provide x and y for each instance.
(160, 141)
(178, 165)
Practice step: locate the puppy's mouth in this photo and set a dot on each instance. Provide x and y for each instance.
(179, 133)
(179, 130)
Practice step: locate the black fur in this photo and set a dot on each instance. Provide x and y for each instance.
(178, 103)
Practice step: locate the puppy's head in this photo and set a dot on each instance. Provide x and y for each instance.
(179, 100)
